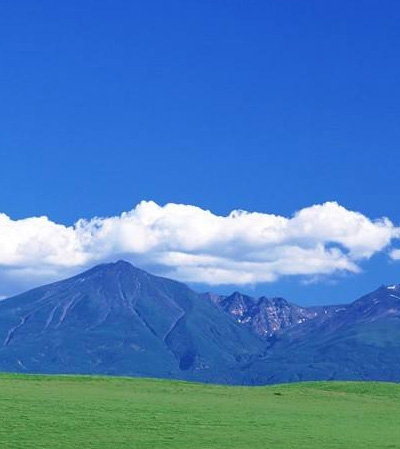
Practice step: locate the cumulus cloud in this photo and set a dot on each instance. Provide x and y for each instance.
(195, 245)
(395, 254)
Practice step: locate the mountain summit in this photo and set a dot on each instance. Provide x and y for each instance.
(120, 320)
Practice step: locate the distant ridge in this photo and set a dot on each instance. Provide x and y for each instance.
(120, 320)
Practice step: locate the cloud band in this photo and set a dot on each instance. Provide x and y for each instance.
(195, 245)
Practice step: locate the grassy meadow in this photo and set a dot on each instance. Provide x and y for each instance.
(68, 412)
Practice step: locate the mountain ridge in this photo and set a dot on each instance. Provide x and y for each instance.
(118, 319)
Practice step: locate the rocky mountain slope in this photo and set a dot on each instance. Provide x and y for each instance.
(267, 317)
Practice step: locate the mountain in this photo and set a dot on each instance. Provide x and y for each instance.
(358, 341)
(119, 320)
(267, 317)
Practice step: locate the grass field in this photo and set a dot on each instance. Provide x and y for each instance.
(110, 413)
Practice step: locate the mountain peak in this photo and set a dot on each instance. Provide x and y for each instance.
(112, 268)
(122, 263)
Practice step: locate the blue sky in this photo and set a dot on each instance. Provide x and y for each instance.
(268, 106)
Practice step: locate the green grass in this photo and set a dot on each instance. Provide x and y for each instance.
(81, 412)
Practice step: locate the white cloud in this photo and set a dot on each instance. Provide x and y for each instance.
(192, 244)
(395, 254)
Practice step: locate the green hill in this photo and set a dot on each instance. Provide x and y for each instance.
(85, 412)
